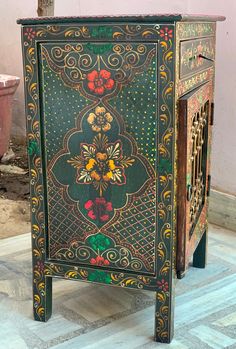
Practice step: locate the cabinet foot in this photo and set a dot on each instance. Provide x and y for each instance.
(164, 317)
(42, 296)
(180, 274)
(199, 256)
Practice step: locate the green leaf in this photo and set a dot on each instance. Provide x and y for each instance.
(33, 147)
(99, 276)
(99, 242)
(164, 165)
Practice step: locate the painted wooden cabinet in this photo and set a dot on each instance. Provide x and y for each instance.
(119, 114)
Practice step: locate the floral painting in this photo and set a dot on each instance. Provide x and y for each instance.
(105, 161)
(101, 164)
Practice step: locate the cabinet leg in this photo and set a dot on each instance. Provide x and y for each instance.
(164, 316)
(200, 254)
(180, 274)
(42, 294)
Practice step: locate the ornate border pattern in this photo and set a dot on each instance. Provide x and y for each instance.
(40, 286)
(190, 30)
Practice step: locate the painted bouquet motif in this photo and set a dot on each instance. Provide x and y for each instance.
(101, 163)
(99, 243)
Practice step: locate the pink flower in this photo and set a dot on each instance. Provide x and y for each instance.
(39, 266)
(166, 33)
(30, 33)
(163, 285)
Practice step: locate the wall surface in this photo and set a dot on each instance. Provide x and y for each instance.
(224, 140)
(10, 52)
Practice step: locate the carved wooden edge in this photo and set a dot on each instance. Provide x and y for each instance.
(120, 18)
(181, 192)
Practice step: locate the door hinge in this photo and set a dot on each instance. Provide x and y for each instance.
(209, 185)
(212, 113)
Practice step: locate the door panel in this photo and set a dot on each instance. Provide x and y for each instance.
(100, 152)
(193, 168)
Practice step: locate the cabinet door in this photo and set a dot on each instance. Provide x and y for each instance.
(194, 134)
(99, 122)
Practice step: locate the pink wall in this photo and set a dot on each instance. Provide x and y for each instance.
(10, 52)
(224, 142)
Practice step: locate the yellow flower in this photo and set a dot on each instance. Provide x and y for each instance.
(100, 120)
(111, 165)
(108, 176)
(95, 175)
(90, 164)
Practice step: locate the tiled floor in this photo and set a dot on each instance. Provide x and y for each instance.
(91, 316)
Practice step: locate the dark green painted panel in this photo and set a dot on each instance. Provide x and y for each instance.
(100, 128)
(60, 109)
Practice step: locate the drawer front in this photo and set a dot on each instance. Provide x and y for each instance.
(195, 50)
(196, 56)
(193, 168)
(99, 121)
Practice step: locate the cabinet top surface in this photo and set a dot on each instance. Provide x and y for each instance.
(171, 17)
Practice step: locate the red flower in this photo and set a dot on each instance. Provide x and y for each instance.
(98, 209)
(30, 33)
(163, 285)
(166, 33)
(99, 261)
(99, 82)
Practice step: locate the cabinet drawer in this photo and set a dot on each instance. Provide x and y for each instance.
(196, 55)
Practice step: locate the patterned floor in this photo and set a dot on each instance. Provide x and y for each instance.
(91, 316)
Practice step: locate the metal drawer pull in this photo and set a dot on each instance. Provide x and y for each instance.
(201, 56)
(207, 58)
